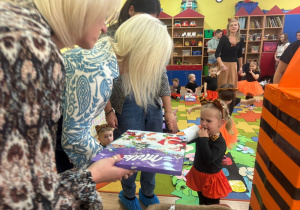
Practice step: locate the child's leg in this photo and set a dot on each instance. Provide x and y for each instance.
(201, 198)
(207, 201)
(249, 96)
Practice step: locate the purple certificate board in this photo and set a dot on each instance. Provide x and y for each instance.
(148, 151)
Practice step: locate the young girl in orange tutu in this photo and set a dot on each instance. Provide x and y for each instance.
(211, 82)
(250, 87)
(206, 176)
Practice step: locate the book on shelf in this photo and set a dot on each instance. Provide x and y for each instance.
(273, 22)
(257, 24)
(148, 151)
(242, 21)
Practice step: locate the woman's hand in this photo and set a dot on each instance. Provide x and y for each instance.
(240, 72)
(112, 120)
(223, 68)
(203, 132)
(205, 95)
(171, 121)
(105, 171)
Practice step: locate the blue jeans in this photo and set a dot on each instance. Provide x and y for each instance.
(212, 60)
(135, 117)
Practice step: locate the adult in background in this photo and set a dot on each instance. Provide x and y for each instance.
(285, 59)
(141, 48)
(32, 80)
(228, 52)
(298, 35)
(212, 46)
(283, 43)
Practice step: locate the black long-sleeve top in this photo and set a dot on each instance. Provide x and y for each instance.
(209, 154)
(249, 76)
(227, 52)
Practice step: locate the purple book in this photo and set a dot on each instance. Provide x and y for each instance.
(148, 151)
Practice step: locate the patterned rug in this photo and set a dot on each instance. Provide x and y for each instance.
(241, 157)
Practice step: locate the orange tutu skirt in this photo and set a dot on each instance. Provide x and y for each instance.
(212, 186)
(230, 139)
(211, 95)
(246, 87)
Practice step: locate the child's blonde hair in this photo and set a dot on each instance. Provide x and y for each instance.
(103, 128)
(144, 46)
(191, 76)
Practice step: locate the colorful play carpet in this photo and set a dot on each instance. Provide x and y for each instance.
(240, 164)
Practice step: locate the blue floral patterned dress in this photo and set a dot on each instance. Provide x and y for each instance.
(89, 81)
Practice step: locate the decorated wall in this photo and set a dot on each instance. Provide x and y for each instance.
(216, 14)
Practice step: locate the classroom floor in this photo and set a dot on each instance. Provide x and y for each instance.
(110, 195)
(111, 202)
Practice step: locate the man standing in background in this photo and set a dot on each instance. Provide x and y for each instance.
(212, 46)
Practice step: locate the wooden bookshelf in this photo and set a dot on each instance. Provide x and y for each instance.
(183, 37)
(258, 29)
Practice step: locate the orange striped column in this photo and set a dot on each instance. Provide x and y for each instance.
(276, 182)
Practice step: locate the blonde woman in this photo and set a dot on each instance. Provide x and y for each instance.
(228, 53)
(32, 80)
(141, 49)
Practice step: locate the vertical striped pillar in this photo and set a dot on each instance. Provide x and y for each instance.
(276, 182)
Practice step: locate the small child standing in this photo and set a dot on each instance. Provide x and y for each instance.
(191, 86)
(206, 176)
(227, 94)
(250, 87)
(105, 134)
(211, 82)
(175, 91)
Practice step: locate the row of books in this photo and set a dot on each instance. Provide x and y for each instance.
(273, 22)
(242, 21)
(255, 24)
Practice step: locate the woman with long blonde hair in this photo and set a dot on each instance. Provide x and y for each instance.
(32, 77)
(228, 53)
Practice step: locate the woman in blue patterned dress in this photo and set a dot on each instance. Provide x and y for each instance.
(141, 49)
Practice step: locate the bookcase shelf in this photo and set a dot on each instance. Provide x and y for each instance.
(191, 34)
(267, 27)
(259, 29)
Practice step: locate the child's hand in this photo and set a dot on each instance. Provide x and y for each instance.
(257, 100)
(203, 133)
(205, 95)
(189, 110)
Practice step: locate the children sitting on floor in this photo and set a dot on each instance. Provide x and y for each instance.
(175, 90)
(191, 86)
(250, 87)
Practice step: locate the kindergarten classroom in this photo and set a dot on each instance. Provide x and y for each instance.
(257, 172)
